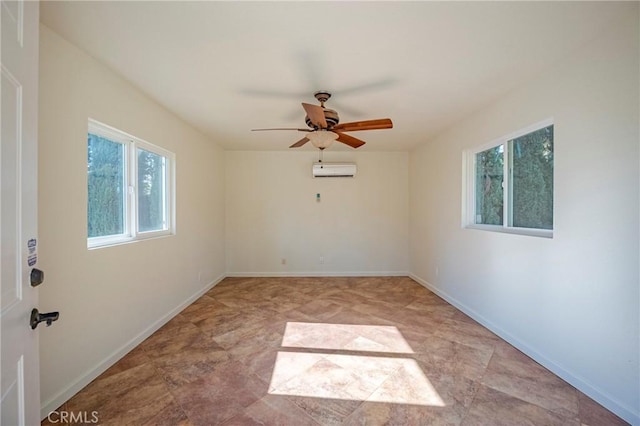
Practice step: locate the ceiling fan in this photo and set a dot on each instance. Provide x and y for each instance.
(324, 127)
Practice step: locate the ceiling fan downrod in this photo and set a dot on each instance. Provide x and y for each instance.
(322, 96)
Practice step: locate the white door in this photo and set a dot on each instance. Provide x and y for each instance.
(18, 213)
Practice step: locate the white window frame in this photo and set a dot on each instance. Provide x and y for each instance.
(131, 146)
(469, 186)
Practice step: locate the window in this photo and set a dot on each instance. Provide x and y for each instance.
(510, 183)
(130, 187)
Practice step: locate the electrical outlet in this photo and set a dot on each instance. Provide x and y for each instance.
(322, 260)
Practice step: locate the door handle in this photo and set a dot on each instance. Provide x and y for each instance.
(37, 318)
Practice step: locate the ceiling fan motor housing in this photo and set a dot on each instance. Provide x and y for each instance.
(330, 115)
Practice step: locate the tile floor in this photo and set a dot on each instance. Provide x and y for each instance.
(329, 351)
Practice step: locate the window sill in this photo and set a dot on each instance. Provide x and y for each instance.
(112, 242)
(543, 233)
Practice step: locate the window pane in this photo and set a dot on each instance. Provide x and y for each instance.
(106, 185)
(489, 178)
(532, 179)
(151, 191)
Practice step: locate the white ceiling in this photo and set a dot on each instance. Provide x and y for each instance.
(228, 67)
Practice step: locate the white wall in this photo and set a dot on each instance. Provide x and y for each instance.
(111, 298)
(359, 226)
(571, 302)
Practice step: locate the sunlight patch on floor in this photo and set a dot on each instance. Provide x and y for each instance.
(352, 337)
(340, 375)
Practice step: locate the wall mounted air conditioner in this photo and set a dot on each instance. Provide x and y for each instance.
(334, 170)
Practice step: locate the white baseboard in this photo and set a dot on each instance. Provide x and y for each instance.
(320, 274)
(86, 378)
(583, 385)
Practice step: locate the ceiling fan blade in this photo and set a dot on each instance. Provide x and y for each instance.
(283, 128)
(299, 143)
(382, 123)
(368, 87)
(273, 93)
(349, 140)
(316, 115)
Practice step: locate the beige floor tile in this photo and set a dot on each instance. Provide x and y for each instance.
(527, 380)
(492, 407)
(329, 351)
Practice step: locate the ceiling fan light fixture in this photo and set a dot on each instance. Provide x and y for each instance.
(322, 139)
